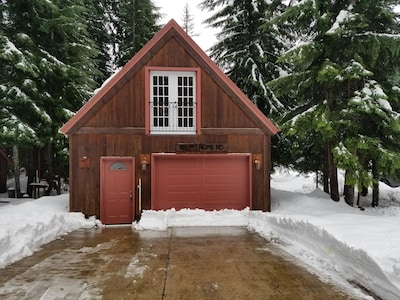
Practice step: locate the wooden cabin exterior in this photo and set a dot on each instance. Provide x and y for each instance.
(169, 130)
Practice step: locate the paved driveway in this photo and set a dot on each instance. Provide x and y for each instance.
(180, 263)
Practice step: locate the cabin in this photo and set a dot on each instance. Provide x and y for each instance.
(169, 130)
(5, 161)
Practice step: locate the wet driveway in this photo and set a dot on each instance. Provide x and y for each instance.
(180, 263)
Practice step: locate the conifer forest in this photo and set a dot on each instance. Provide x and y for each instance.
(326, 72)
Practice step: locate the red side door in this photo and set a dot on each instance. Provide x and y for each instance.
(117, 190)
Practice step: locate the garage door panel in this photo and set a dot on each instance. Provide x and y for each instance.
(201, 181)
(220, 196)
(188, 196)
(183, 180)
(220, 179)
(183, 163)
(183, 190)
(180, 201)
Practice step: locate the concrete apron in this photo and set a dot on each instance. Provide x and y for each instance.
(180, 263)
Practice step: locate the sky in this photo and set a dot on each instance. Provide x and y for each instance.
(337, 242)
(174, 10)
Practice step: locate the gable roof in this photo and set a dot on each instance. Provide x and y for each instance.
(171, 29)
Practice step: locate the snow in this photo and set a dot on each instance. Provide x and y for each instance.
(10, 48)
(342, 244)
(342, 16)
(27, 224)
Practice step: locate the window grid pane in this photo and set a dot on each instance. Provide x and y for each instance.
(185, 101)
(160, 101)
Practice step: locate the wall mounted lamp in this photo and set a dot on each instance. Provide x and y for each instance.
(144, 161)
(84, 162)
(257, 160)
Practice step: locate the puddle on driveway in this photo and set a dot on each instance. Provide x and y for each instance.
(180, 263)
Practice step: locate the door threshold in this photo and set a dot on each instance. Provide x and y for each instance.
(118, 225)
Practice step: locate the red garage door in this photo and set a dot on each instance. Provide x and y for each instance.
(209, 182)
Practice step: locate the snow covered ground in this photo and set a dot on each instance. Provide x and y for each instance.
(341, 244)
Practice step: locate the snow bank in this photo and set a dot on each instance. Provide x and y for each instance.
(27, 226)
(324, 254)
(161, 220)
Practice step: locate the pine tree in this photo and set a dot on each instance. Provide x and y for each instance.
(47, 54)
(344, 79)
(188, 21)
(248, 47)
(100, 18)
(135, 23)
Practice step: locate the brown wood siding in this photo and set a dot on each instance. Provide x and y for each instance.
(126, 107)
(85, 183)
(116, 127)
(172, 54)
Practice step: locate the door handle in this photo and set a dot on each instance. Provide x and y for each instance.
(131, 196)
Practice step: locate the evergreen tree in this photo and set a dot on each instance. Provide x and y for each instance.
(344, 82)
(188, 21)
(53, 53)
(248, 47)
(100, 18)
(135, 24)
(47, 54)
(119, 29)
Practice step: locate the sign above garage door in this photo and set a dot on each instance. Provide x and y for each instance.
(207, 181)
(200, 148)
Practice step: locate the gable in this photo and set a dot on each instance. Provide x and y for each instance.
(119, 103)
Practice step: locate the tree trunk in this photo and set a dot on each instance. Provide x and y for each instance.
(325, 175)
(375, 185)
(16, 171)
(348, 192)
(364, 190)
(31, 171)
(333, 179)
(49, 174)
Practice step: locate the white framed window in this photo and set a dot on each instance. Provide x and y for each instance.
(173, 102)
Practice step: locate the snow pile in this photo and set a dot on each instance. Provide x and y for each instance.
(161, 220)
(27, 226)
(337, 240)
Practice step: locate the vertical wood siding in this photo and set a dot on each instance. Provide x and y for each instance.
(85, 183)
(117, 129)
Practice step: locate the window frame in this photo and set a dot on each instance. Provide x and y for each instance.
(148, 107)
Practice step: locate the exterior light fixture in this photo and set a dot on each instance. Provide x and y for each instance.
(144, 165)
(144, 161)
(258, 164)
(84, 162)
(257, 160)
